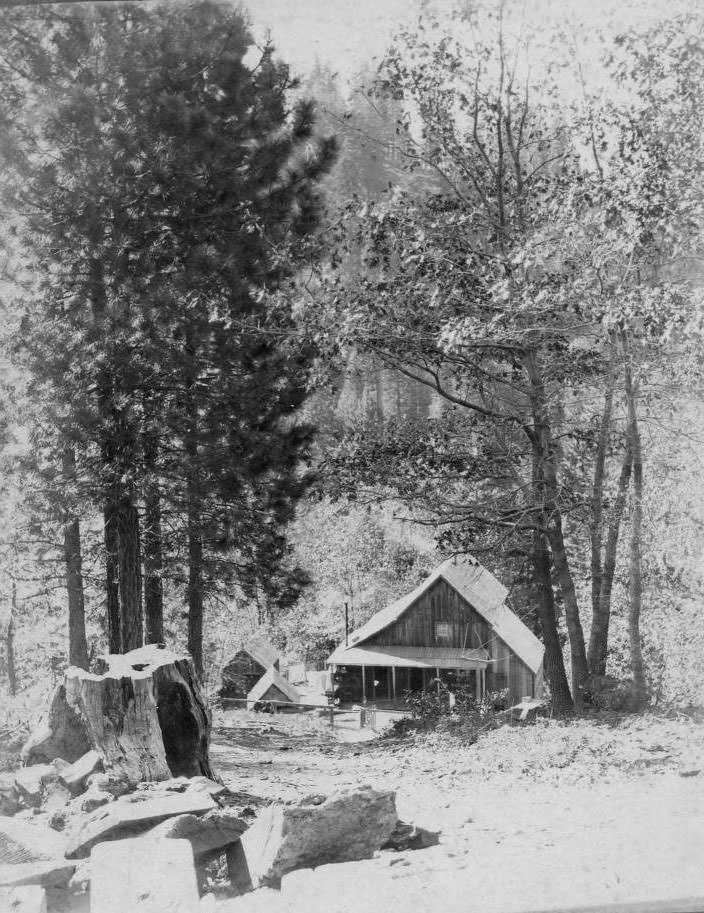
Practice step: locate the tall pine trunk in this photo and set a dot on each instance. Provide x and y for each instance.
(153, 569)
(111, 578)
(77, 644)
(10, 644)
(194, 518)
(129, 558)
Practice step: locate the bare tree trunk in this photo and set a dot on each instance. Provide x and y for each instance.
(10, 644)
(599, 639)
(636, 572)
(77, 644)
(111, 578)
(596, 526)
(153, 567)
(554, 662)
(130, 576)
(541, 440)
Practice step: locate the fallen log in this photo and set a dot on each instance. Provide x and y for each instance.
(144, 715)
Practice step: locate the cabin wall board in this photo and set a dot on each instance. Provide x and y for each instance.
(460, 625)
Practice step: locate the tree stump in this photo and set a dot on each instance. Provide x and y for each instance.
(144, 714)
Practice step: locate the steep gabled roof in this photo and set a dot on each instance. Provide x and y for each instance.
(275, 679)
(481, 590)
(260, 649)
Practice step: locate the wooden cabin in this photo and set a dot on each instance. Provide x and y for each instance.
(247, 666)
(454, 628)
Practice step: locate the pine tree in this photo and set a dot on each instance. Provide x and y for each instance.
(178, 189)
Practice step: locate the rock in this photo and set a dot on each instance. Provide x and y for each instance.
(62, 735)
(211, 832)
(411, 837)
(126, 878)
(22, 842)
(80, 880)
(26, 899)
(44, 872)
(30, 782)
(77, 774)
(55, 797)
(108, 783)
(349, 825)
(125, 818)
(93, 799)
(9, 795)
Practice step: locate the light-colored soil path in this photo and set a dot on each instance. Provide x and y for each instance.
(544, 817)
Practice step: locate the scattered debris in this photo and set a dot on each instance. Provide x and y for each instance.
(123, 818)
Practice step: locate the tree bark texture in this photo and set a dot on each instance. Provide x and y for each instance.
(545, 474)
(636, 544)
(599, 637)
(77, 644)
(596, 527)
(554, 662)
(144, 715)
(111, 578)
(195, 596)
(129, 558)
(153, 568)
(10, 644)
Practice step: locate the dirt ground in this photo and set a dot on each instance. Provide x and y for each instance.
(543, 817)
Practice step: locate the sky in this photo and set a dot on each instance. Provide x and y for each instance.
(348, 34)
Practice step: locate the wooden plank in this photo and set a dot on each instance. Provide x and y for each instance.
(126, 876)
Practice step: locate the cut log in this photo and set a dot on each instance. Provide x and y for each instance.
(144, 715)
(27, 899)
(350, 824)
(125, 878)
(123, 819)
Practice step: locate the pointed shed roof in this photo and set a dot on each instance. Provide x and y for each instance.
(481, 590)
(275, 679)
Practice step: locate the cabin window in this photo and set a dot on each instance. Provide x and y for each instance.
(443, 632)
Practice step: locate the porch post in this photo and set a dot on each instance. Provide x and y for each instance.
(478, 682)
(393, 683)
(437, 678)
(364, 684)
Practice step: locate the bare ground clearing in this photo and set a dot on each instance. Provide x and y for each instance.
(543, 817)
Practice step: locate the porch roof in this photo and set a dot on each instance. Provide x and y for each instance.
(411, 657)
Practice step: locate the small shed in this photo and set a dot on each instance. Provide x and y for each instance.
(455, 629)
(272, 686)
(247, 666)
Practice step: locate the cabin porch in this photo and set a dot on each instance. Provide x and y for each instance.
(363, 680)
